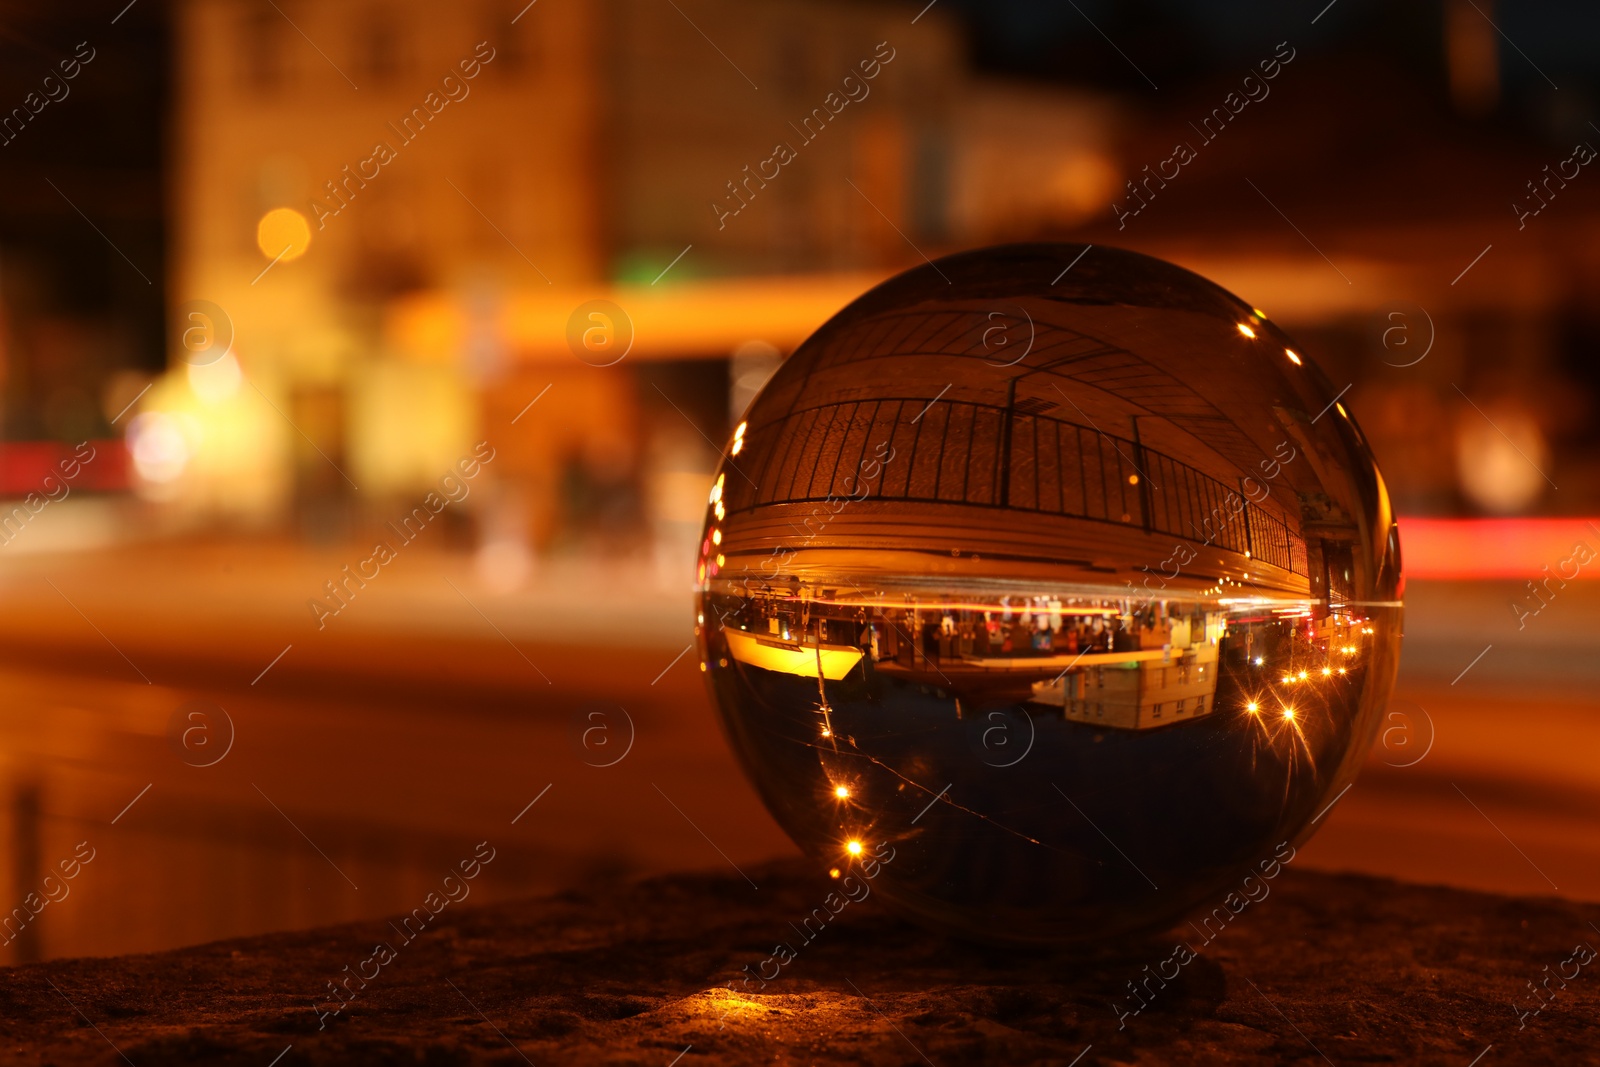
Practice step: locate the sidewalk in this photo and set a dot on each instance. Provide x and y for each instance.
(220, 611)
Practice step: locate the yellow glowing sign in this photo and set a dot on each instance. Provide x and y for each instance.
(834, 661)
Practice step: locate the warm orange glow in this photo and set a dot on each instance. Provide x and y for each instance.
(684, 320)
(833, 661)
(1244, 328)
(959, 605)
(716, 537)
(1491, 548)
(1252, 707)
(283, 233)
(1288, 713)
(842, 792)
(834, 873)
(853, 847)
(1294, 357)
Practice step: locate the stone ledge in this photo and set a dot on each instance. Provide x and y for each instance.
(1329, 968)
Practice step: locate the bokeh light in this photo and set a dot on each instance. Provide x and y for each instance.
(283, 234)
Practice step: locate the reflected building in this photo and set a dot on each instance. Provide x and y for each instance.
(1138, 690)
(1107, 537)
(1010, 435)
(1100, 663)
(1093, 663)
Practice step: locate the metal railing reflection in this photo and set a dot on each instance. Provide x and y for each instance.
(989, 455)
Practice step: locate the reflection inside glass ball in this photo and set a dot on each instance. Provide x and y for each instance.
(1054, 608)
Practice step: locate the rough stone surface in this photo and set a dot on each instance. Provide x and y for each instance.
(1326, 969)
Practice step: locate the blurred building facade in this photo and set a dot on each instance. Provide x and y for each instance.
(727, 177)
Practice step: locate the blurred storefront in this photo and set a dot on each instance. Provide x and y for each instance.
(408, 226)
(463, 210)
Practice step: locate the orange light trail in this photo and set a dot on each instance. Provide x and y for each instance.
(1460, 549)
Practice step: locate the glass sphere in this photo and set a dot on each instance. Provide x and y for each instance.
(1051, 589)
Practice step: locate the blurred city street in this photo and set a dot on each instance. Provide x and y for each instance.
(429, 714)
(366, 372)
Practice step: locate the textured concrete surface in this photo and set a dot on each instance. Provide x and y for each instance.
(1328, 968)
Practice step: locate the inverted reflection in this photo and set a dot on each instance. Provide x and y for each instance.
(1080, 635)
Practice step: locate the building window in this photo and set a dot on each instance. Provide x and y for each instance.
(791, 65)
(930, 184)
(1199, 705)
(514, 43)
(1156, 713)
(1180, 707)
(379, 47)
(261, 60)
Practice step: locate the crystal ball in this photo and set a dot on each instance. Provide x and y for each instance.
(1051, 593)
